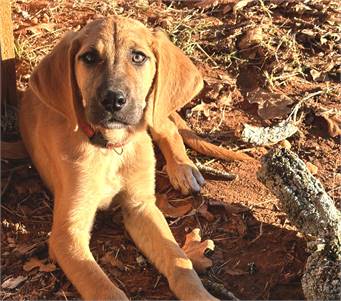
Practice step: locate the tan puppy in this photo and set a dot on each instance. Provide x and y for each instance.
(84, 122)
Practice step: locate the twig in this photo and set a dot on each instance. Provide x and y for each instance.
(208, 56)
(259, 234)
(157, 281)
(182, 200)
(218, 268)
(214, 172)
(7, 184)
(11, 170)
(219, 290)
(220, 121)
(191, 213)
(63, 293)
(10, 211)
(293, 115)
(261, 203)
(198, 222)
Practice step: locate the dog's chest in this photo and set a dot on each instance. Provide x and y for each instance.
(112, 178)
(108, 192)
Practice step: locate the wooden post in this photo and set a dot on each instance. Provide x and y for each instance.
(7, 56)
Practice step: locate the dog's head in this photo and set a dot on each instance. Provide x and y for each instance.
(115, 74)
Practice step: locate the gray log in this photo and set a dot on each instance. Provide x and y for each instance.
(313, 212)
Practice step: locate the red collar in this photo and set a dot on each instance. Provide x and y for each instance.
(97, 138)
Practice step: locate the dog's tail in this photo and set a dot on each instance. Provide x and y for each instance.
(13, 150)
(202, 146)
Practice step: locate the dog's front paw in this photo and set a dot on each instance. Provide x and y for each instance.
(185, 177)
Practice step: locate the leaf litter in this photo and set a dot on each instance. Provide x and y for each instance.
(42, 265)
(288, 48)
(13, 282)
(196, 249)
(168, 209)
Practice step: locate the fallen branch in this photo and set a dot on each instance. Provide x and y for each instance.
(310, 208)
(275, 133)
(268, 135)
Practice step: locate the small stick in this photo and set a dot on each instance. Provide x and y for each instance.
(218, 289)
(9, 179)
(157, 281)
(214, 172)
(259, 234)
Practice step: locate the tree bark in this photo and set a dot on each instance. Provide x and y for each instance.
(313, 212)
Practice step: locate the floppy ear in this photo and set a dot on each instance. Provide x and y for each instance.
(177, 79)
(53, 80)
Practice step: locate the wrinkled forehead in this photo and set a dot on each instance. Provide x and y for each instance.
(114, 32)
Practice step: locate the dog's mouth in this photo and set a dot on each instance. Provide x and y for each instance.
(111, 123)
(104, 120)
(129, 117)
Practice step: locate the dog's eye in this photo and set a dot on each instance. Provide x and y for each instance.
(138, 57)
(90, 57)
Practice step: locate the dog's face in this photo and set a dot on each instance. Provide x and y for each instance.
(115, 74)
(115, 67)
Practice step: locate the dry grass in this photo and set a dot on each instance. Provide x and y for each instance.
(291, 35)
(282, 48)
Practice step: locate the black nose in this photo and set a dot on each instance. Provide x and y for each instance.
(114, 100)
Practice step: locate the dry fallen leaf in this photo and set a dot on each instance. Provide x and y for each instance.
(204, 3)
(229, 208)
(115, 262)
(285, 143)
(251, 38)
(214, 90)
(12, 282)
(168, 209)
(23, 249)
(270, 105)
(29, 250)
(240, 5)
(236, 225)
(38, 29)
(312, 168)
(316, 75)
(331, 115)
(225, 99)
(141, 261)
(202, 107)
(195, 250)
(37, 263)
(203, 211)
(333, 119)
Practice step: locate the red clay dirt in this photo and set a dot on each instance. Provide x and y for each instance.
(259, 254)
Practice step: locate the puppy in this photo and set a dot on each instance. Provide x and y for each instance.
(84, 122)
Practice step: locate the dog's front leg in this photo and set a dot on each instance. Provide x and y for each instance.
(182, 172)
(150, 231)
(69, 245)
